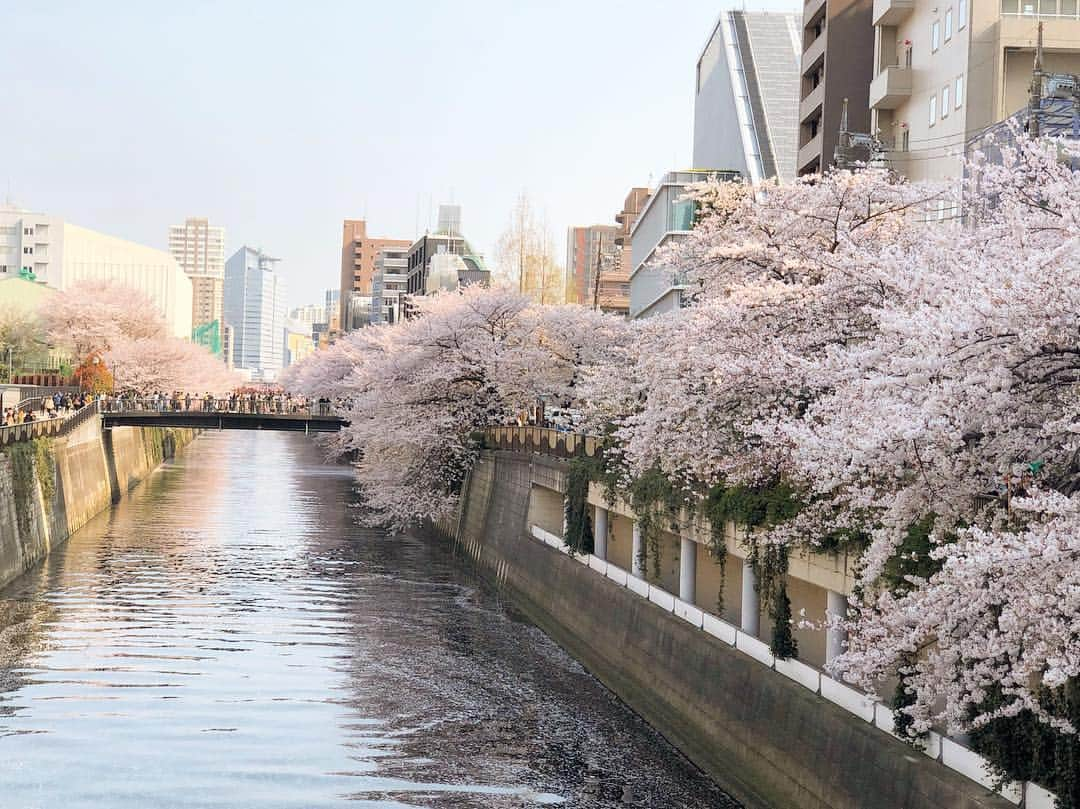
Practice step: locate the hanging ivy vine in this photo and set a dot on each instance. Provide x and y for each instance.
(579, 528)
(1023, 748)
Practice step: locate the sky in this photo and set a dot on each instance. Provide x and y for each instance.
(277, 120)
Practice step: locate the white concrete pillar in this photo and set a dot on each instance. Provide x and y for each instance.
(688, 570)
(751, 611)
(836, 606)
(635, 558)
(600, 533)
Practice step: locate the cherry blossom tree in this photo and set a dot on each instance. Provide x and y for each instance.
(417, 392)
(119, 328)
(91, 316)
(913, 374)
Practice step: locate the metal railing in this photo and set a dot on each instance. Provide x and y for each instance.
(233, 405)
(10, 434)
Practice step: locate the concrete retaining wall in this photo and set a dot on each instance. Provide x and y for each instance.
(92, 469)
(764, 737)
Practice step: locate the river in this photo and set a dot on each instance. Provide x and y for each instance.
(228, 637)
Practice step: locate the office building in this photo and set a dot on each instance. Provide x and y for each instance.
(665, 217)
(45, 248)
(199, 249)
(746, 98)
(255, 309)
(946, 70)
(358, 252)
(837, 64)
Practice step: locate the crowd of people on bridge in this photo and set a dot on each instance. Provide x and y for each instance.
(57, 405)
(241, 401)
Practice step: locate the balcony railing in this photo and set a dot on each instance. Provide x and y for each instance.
(890, 87)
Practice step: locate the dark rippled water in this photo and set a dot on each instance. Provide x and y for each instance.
(228, 638)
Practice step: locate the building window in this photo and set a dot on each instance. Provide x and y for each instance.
(945, 101)
(935, 36)
(948, 25)
(961, 20)
(28, 231)
(905, 140)
(28, 251)
(959, 91)
(933, 109)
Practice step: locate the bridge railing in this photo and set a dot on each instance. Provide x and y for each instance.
(543, 440)
(234, 405)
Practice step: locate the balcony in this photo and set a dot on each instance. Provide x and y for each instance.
(813, 54)
(890, 88)
(810, 153)
(811, 9)
(813, 101)
(892, 12)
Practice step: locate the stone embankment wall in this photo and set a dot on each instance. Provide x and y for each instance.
(765, 738)
(51, 487)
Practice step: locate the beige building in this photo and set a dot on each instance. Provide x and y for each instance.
(947, 69)
(358, 253)
(199, 249)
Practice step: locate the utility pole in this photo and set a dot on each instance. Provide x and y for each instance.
(599, 264)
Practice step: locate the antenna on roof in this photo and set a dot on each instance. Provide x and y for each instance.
(1035, 97)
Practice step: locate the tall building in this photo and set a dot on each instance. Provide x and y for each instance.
(46, 248)
(333, 310)
(746, 99)
(255, 309)
(665, 217)
(199, 249)
(837, 64)
(358, 252)
(946, 70)
(591, 254)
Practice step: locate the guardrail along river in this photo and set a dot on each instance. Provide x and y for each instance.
(228, 637)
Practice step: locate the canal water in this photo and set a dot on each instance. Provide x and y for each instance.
(227, 637)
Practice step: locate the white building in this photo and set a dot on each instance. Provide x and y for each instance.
(199, 249)
(255, 308)
(62, 254)
(746, 99)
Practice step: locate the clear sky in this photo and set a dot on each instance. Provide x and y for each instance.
(279, 119)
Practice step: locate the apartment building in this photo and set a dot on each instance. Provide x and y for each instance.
(199, 249)
(836, 64)
(665, 217)
(747, 95)
(591, 255)
(358, 253)
(389, 285)
(945, 70)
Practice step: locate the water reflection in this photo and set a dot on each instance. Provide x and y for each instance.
(228, 638)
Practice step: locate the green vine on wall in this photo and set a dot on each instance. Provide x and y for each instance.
(32, 467)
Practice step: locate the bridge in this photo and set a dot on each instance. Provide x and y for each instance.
(300, 421)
